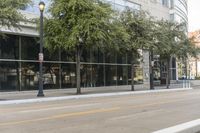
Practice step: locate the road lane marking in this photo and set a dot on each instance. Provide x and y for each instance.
(85, 113)
(57, 108)
(192, 126)
(134, 115)
(20, 109)
(61, 116)
(158, 103)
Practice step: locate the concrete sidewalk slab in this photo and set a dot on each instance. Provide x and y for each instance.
(45, 99)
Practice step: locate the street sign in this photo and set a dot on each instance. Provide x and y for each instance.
(41, 57)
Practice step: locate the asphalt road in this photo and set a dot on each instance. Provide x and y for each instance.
(141, 113)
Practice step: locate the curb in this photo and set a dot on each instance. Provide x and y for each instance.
(188, 127)
(47, 99)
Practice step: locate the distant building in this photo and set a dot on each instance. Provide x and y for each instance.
(194, 63)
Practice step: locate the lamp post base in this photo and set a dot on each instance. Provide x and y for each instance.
(40, 94)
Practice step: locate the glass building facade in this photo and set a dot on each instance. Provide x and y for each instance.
(19, 67)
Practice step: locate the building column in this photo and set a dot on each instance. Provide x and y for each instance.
(146, 73)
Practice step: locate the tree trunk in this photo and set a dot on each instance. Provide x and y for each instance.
(186, 69)
(196, 68)
(151, 70)
(78, 72)
(168, 73)
(132, 76)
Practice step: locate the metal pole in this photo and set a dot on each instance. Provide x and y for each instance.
(40, 92)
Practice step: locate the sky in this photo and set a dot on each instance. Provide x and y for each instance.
(194, 15)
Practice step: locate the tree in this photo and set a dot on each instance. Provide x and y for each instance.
(169, 42)
(139, 26)
(10, 14)
(187, 49)
(78, 24)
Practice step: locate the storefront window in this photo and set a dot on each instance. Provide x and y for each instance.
(68, 75)
(30, 74)
(51, 76)
(9, 76)
(29, 48)
(122, 75)
(9, 47)
(111, 75)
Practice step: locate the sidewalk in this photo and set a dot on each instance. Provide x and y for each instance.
(62, 94)
(17, 95)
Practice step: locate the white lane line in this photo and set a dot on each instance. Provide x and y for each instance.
(57, 108)
(47, 99)
(188, 127)
(136, 115)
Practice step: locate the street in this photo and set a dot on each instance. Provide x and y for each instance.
(142, 113)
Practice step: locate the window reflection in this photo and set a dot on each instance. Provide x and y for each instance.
(51, 75)
(9, 76)
(30, 74)
(111, 75)
(9, 47)
(59, 69)
(29, 48)
(68, 76)
(138, 75)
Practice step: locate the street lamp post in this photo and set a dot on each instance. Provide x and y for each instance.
(40, 92)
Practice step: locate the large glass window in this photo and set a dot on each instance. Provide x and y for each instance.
(121, 5)
(51, 55)
(9, 47)
(92, 75)
(68, 56)
(68, 74)
(51, 76)
(86, 55)
(29, 48)
(111, 75)
(165, 3)
(99, 72)
(122, 75)
(59, 69)
(86, 75)
(110, 57)
(30, 74)
(138, 75)
(9, 76)
(96, 56)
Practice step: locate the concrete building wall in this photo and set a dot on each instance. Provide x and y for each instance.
(155, 8)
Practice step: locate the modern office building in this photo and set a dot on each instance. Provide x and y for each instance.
(19, 67)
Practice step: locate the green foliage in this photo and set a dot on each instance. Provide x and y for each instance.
(140, 29)
(169, 36)
(173, 41)
(74, 23)
(188, 48)
(197, 78)
(9, 12)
